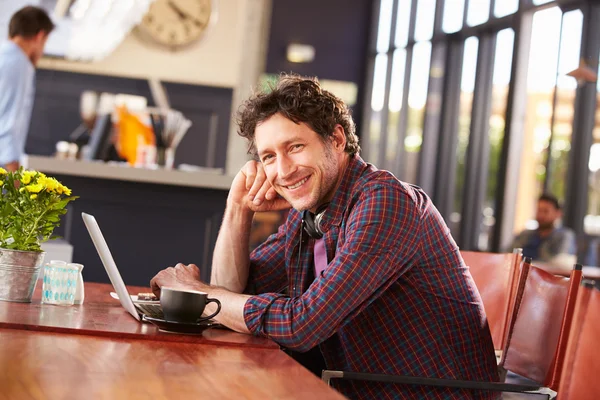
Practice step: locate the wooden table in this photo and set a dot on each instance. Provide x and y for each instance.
(98, 351)
(41, 365)
(101, 315)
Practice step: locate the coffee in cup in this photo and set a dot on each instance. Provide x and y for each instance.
(186, 306)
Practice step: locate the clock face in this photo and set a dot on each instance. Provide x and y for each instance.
(177, 23)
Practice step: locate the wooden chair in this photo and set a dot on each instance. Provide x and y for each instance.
(496, 276)
(536, 341)
(536, 337)
(582, 364)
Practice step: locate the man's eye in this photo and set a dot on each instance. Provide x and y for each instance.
(297, 146)
(266, 158)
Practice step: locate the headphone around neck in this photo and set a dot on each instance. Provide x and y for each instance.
(312, 222)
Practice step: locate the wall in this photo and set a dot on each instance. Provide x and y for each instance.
(338, 30)
(215, 60)
(231, 55)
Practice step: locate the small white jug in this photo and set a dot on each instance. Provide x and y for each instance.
(79, 291)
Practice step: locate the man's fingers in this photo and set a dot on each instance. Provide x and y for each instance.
(192, 267)
(260, 182)
(260, 196)
(271, 194)
(250, 172)
(155, 288)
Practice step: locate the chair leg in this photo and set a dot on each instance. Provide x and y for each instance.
(501, 374)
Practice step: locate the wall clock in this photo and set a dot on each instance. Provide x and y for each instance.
(177, 23)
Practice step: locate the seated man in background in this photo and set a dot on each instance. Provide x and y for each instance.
(552, 247)
(363, 273)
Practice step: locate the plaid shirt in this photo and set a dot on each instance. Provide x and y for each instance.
(396, 297)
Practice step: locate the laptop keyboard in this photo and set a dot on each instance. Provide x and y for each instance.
(151, 310)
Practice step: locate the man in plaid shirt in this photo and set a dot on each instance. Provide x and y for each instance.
(394, 296)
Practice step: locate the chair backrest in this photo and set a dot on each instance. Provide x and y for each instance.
(495, 275)
(582, 364)
(538, 334)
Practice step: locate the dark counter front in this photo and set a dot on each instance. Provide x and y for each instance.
(147, 226)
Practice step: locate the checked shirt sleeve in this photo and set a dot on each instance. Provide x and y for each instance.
(383, 223)
(267, 265)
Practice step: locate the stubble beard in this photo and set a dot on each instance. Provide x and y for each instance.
(329, 169)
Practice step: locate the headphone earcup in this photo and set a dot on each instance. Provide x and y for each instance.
(308, 222)
(312, 222)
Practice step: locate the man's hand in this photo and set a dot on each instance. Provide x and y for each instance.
(12, 166)
(252, 189)
(180, 277)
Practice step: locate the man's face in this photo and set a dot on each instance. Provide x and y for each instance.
(546, 214)
(300, 167)
(39, 42)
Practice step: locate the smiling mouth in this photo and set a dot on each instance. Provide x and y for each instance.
(297, 185)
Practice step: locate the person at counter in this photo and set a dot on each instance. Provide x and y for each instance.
(363, 273)
(28, 31)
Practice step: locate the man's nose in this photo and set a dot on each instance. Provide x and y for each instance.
(285, 167)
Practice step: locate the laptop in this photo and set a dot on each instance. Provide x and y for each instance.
(139, 310)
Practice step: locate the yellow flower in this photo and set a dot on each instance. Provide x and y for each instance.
(1, 183)
(51, 184)
(66, 190)
(33, 196)
(27, 175)
(35, 188)
(3, 171)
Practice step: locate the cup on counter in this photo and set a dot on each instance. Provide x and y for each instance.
(59, 283)
(165, 157)
(185, 306)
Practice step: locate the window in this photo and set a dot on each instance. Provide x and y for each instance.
(562, 116)
(505, 7)
(453, 15)
(541, 81)
(479, 11)
(467, 85)
(417, 95)
(591, 222)
(435, 93)
(497, 125)
(424, 23)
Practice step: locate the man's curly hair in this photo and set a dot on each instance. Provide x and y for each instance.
(299, 99)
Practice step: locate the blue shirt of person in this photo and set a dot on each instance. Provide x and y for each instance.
(17, 91)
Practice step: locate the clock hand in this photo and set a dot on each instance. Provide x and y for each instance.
(182, 15)
(177, 10)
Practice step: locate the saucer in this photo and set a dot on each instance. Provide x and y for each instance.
(182, 327)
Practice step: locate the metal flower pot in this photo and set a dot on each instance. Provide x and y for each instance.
(19, 274)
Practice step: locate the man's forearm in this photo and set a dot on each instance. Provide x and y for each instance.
(231, 254)
(232, 308)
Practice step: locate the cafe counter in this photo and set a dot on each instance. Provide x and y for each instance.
(151, 219)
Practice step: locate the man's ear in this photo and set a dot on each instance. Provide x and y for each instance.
(338, 138)
(40, 36)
